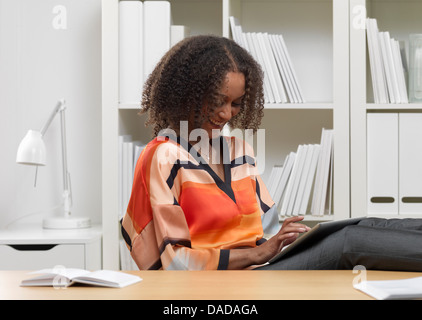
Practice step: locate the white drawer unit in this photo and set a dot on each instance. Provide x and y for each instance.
(30, 247)
(41, 256)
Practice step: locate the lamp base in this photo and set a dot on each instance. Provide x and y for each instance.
(66, 223)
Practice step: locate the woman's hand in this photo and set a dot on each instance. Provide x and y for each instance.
(290, 230)
(288, 233)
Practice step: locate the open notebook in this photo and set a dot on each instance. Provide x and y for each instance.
(392, 289)
(64, 277)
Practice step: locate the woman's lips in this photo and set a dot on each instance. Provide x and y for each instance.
(217, 124)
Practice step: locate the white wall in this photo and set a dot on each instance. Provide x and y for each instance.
(40, 64)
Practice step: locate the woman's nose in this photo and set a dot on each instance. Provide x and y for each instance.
(226, 112)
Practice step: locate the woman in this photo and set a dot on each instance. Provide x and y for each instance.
(197, 201)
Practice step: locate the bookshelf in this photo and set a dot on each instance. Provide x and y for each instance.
(317, 35)
(400, 18)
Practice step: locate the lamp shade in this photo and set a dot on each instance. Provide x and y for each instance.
(32, 149)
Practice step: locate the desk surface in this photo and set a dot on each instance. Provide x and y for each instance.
(209, 285)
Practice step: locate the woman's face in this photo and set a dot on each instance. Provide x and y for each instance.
(232, 93)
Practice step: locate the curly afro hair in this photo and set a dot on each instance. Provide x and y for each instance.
(191, 75)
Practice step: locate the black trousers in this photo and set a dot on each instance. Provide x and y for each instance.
(376, 244)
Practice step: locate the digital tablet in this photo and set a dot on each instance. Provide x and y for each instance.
(318, 232)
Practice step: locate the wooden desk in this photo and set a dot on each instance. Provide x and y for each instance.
(209, 285)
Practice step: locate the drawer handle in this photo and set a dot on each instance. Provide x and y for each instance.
(382, 199)
(32, 247)
(411, 199)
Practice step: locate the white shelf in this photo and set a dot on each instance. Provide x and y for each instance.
(394, 107)
(312, 218)
(128, 106)
(300, 106)
(34, 234)
(307, 105)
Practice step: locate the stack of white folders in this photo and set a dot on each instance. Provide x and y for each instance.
(145, 35)
(281, 84)
(394, 157)
(129, 153)
(388, 68)
(303, 184)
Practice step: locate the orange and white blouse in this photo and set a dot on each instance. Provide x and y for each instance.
(182, 215)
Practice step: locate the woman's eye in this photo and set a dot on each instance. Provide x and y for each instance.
(236, 104)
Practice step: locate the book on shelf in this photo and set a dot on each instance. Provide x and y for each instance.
(291, 191)
(387, 65)
(382, 162)
(281, 84)
(303, 184)
(281, 183)
(274, 179)
(157, 21)
(64, 277)
(178, 33)
(129, 152)
(145, 35)
(323, 188)
(306, 182)
(393, 163)
(130, 51)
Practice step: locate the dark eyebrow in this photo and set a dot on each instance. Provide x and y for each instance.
(241, 97)
(224, 96)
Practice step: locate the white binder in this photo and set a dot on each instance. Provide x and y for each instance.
(410, 163)
(130, 52)
(382, 163)
(157, 21)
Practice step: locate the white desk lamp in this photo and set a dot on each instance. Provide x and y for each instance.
(32, 151)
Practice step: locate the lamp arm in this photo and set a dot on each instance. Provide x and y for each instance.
(59, 106)
(67, 192)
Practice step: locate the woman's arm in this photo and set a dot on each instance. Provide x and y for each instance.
(242, 258)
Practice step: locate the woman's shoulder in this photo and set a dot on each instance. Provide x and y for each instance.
(162, 143)
(163, 150)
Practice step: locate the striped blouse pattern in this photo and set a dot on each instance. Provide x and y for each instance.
(183, 216)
